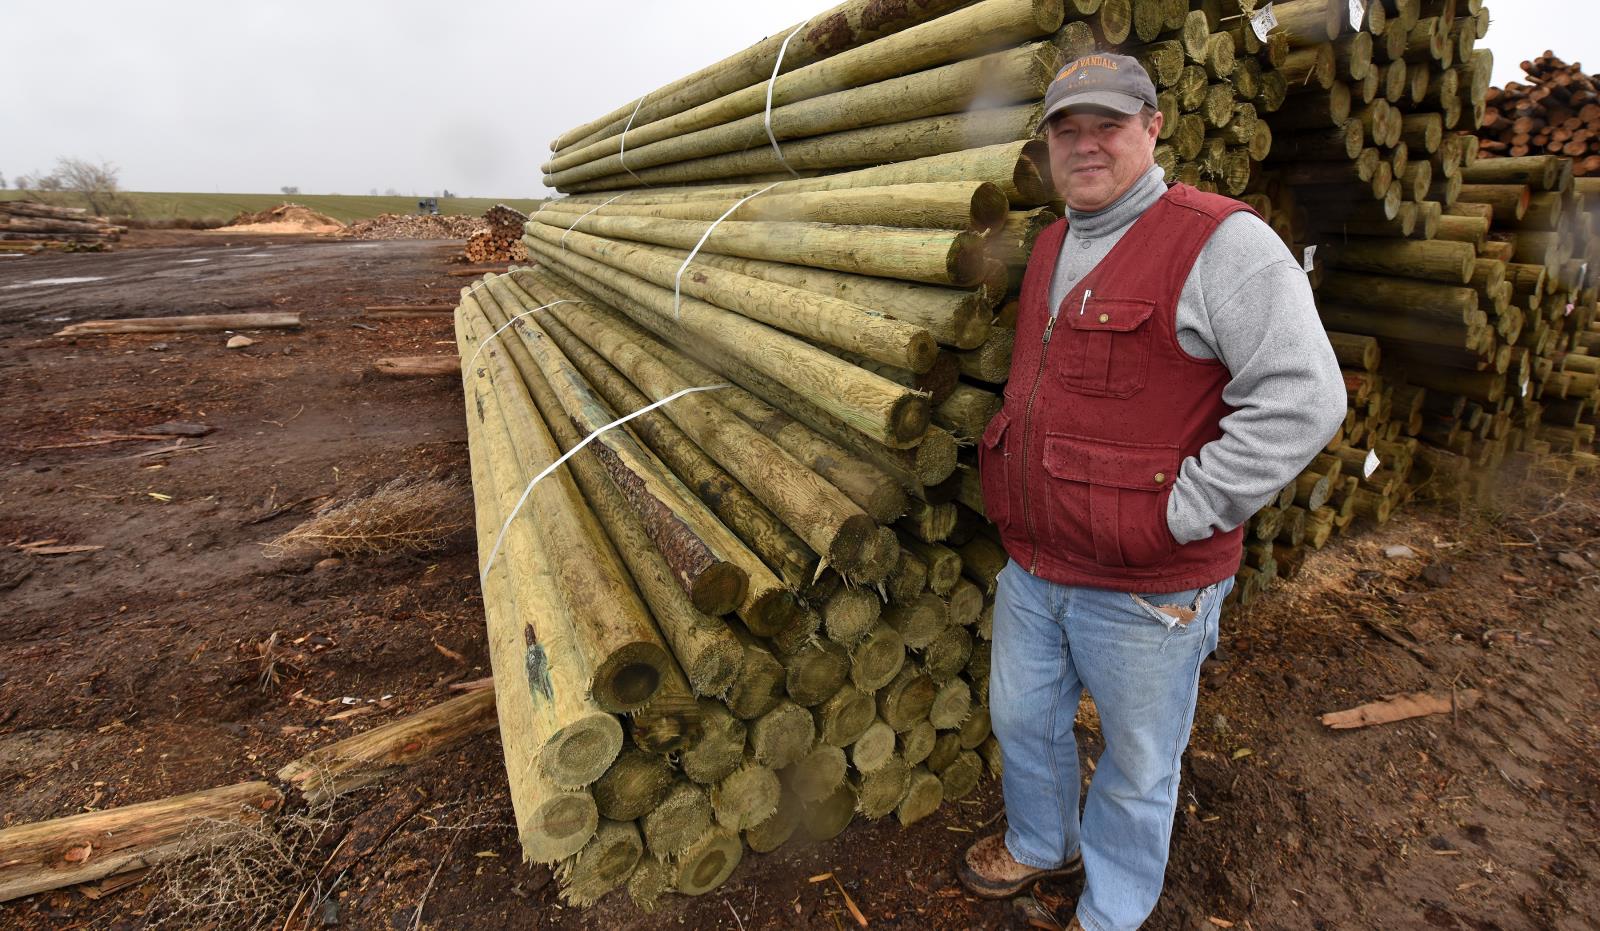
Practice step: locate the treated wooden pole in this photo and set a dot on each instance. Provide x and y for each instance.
(707, 652)
(1013, 76)
(888, 412)
(941, 257)
(831, 523)
(682, 530)
(854, 148)
(610, 625)
(980, 27)
(804, 313)
(769, 607)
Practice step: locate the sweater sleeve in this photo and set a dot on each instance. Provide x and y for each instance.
(1256, 315)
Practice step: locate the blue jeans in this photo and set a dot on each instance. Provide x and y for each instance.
(1142, 667)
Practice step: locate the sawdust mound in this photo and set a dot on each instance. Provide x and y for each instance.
(415, 226)
(284, 218)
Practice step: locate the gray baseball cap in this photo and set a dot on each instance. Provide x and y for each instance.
(1112, 82)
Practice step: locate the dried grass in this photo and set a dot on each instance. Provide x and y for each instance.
(244, 876)
(411, 514)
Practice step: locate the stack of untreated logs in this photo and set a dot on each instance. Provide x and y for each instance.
(27, 225)
(502, 241)
(1556, 112)
(848, 310)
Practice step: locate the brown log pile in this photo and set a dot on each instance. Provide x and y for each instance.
(1556, 112)
(27, 225)
(501, 241)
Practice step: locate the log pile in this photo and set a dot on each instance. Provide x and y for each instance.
(842, 291)
(1556, 112)
(1453, 316)
(27, 225)
(501, 241)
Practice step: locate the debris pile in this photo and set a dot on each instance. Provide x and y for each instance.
(413, 226)
(284, 218)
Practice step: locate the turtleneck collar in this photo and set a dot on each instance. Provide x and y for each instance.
(1124, 210)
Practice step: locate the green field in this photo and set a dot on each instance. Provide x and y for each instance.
(152, 206)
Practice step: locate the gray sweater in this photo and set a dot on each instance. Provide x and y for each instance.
(1248, 304)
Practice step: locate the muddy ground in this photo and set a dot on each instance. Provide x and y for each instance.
(135, 671)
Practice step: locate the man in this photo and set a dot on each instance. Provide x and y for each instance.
(1170, 376)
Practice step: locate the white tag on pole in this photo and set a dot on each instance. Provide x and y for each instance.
(1263, 21)
(1371, 465)
(1358, 14)
(1309, 260)
(1526, 381)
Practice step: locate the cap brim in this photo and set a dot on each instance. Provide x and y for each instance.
(1125, 104)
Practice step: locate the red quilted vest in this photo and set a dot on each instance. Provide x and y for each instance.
(1102, 408)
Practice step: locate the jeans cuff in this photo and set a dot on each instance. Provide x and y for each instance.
(1038, 863)
(1089, 922)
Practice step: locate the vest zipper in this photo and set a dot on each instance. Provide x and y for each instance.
(1027, 437)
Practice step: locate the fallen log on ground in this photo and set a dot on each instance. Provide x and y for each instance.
(369, 756)
(199, 324)
(83, 848)
(417, 366)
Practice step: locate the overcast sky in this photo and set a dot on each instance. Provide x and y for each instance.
(343, 96)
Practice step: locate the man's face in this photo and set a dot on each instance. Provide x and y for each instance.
(1096, 155)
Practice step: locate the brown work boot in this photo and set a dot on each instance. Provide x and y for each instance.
(989, 871)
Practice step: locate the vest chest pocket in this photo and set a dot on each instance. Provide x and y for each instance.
(1108, 353)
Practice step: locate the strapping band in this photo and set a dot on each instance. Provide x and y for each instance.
(502, 329)
(677, 280)
(500, 538)
(622, 156)
(767, 118)
(580, 219)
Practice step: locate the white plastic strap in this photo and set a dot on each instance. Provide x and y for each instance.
(490, 339)
(580, 219)
(677, 280)
(767, 118)
(500, 538)
(622, 156)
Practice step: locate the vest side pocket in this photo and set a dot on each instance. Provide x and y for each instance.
(1108, 354)
(992, 474)
(1108, 499)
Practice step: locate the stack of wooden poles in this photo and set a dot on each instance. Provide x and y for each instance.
(764, 606)
(28, 225)
(502, 241)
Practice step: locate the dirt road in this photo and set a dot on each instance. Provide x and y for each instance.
(136, 670)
